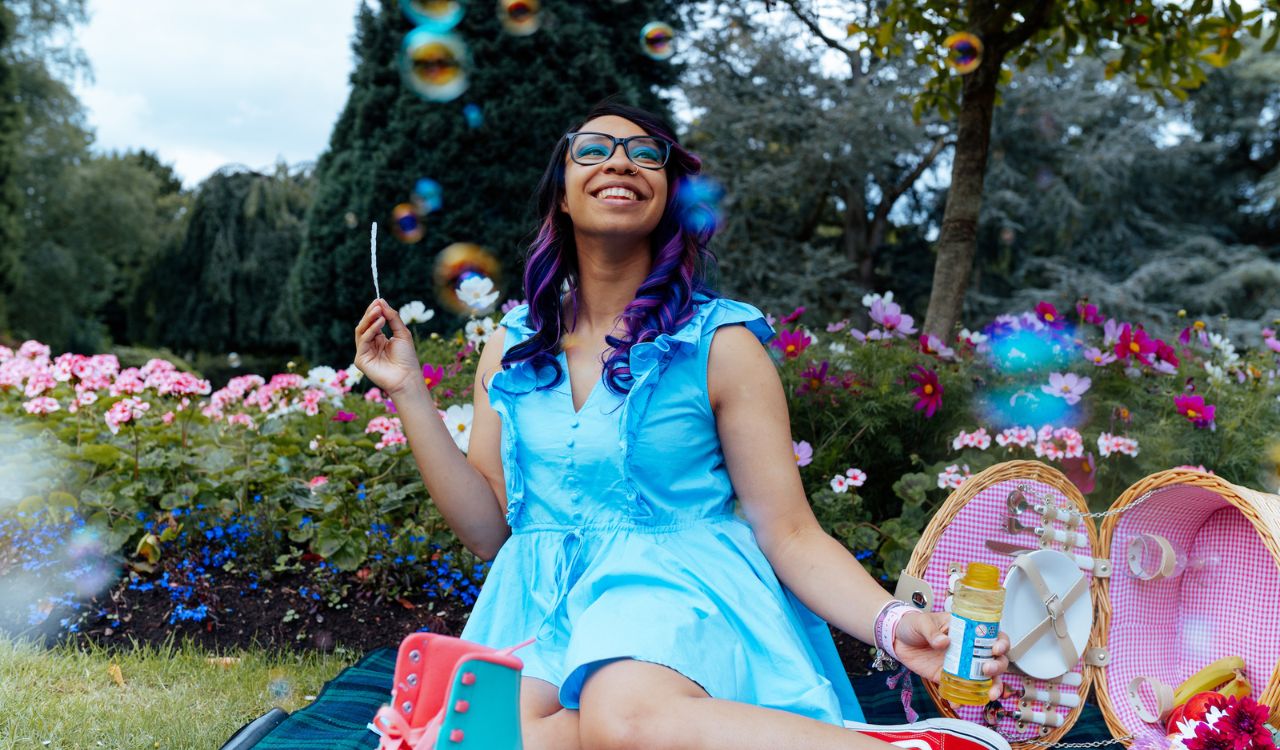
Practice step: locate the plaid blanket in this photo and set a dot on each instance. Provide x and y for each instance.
(337, 719)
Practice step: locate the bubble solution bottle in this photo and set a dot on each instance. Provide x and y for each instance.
(975, 624)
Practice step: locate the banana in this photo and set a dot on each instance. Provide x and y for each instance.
(1226, 669)
(1239, 686)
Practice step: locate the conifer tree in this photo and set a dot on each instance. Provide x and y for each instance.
(529, 90)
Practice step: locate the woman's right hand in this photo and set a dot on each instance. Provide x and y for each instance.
(391, 363)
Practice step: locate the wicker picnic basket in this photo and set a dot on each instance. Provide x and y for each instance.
(1164, 629)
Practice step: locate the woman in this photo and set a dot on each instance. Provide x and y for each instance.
(619, 416)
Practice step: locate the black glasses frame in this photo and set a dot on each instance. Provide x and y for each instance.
(626, 148)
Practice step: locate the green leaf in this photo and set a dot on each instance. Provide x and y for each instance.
(103, 454)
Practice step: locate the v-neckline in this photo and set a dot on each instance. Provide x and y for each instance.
(568, 376)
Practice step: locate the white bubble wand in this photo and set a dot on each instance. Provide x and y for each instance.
(373, 259)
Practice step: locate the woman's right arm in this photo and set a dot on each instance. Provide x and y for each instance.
(466, 497)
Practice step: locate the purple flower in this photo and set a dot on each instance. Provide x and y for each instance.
(344, 416)
(928, 391)
(791, 343)
(1069, 387)
(1088, 313)
(890, 316)
(803, 452)
(1099, 357)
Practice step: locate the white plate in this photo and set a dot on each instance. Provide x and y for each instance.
(1024, 609)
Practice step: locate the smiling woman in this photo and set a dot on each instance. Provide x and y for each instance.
(659, 615)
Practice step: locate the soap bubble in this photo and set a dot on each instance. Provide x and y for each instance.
(457, 263)
(657, 40)
(473, 115)
(434, 65)
(406, 224)
(964, 52)
(698, 204)
(438, 16)
(428, 194)
(519, 17)
(350, 219)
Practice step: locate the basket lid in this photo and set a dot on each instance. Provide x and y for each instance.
(1047, 613)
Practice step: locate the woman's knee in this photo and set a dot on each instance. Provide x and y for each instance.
(629, 705)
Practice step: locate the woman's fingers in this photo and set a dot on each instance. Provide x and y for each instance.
(374, 330)
(371, 312)
(398, 328)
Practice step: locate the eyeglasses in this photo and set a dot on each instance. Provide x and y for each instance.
(644, 151)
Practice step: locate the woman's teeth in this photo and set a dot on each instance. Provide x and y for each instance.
(617, 192)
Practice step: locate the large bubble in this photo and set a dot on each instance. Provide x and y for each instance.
(457, 263)
(964, 52)
(438, 16)
(698, 204)
(434, 65)
(519, 17)
(428, 195)
(657, 40)
(473, 115)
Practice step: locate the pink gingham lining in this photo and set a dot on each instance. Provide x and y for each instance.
(1170, 629)
(964, 541)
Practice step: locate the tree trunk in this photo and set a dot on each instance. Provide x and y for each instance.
(958, 239)
(855, 224)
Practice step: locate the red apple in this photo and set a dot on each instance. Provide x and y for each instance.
(1198, 705)
(1175, 716)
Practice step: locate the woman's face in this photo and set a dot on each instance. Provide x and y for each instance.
(617, 213)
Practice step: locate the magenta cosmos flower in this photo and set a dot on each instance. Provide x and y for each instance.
(791, 343)
(432, 375)
(928, 391)
(1048, 314)
(1136, 343)
(1195, 410)
(1088, 313)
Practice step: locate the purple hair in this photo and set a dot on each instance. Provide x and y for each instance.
(665, 300)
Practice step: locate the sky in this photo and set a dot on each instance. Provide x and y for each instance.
(206, 84)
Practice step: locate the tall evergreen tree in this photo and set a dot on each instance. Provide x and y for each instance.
(10, 121)
(529, 90)
(222, 287)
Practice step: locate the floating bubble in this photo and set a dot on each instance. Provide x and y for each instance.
(657, 40)
(351, 220)
(1028, 351)
(279, 688)
(964, 52)
(438, 16)
(406, 224)
(457, 263)
(434, 65)
(698, 204)
(233, 360)
(428, 194)
(1044, 178)
(1016, 406)
(519, 17)
(473, 115)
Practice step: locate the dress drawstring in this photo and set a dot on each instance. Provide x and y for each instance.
(566, 559)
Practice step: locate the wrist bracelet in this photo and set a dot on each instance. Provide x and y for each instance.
(891, 620)
(885, 624)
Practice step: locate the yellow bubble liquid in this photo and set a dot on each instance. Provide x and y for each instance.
(976, 608)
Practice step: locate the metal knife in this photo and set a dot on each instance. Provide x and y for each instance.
(1013, 550)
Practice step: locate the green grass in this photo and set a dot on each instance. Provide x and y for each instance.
(172, 696)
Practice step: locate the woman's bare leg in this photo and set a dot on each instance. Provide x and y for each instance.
(544, 723)
(634, 705)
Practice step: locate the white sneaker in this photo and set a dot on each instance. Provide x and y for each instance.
(935, 734)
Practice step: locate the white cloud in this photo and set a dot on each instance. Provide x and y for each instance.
(206, 84)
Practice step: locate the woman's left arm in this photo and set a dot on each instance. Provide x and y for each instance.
(755, 433)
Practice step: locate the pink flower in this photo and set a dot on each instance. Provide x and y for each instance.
(1088, 313)
(383, 425)
(953, 476)
(793, 317)
(791, 343)
(1197, 331)
(803, 452)
(977, 439)
(1108, 444)
(391, 437)
(933, 346)
(243, 420)
(1166, 359)
(1098, 357)
(928, 391)
(317, 482)
(512, 304)
(1082, 472)
(1018, 436)
(1058, 444)
(1069, 387)
(837, 326)
(1269, 338)
(814, 378)
(1135, 342)
(856, 477)
(890, 317)
(41, 406)
(167, 418)
(1048, 314)
(123, 411)
(432, 374)
(1196, 410)
(373, 394)
(344, 416)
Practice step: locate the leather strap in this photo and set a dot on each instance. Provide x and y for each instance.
(1164, 699)
(1055, 611)
(1137, 549)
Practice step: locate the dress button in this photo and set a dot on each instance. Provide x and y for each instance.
(574, 424)
(569, 442)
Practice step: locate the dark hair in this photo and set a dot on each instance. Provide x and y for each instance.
(664, 301)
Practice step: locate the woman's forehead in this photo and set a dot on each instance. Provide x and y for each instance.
(618, 127)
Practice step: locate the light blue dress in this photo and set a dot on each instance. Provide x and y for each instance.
(624, 541)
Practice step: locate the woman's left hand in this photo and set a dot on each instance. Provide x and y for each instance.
(921, 641)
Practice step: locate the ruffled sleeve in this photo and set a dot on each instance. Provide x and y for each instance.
(651, 358)
(504, 384)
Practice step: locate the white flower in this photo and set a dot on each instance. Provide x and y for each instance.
(837, 347)
(869, 299)
(458, 419)
(477, 293)
(416, 312)
(840, 483)
(973, 338)
(857, 477)
(354, 375)
(480, 329)
(1217, 375)
(323, 377)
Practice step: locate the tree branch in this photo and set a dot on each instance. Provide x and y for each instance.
(891, 196)
(855, 61)
(1035, 20)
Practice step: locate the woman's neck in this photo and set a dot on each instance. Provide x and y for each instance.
(609, 273)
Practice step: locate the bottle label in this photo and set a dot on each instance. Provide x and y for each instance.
(971, 644)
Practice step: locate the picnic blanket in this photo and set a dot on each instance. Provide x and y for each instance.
(338, 718)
